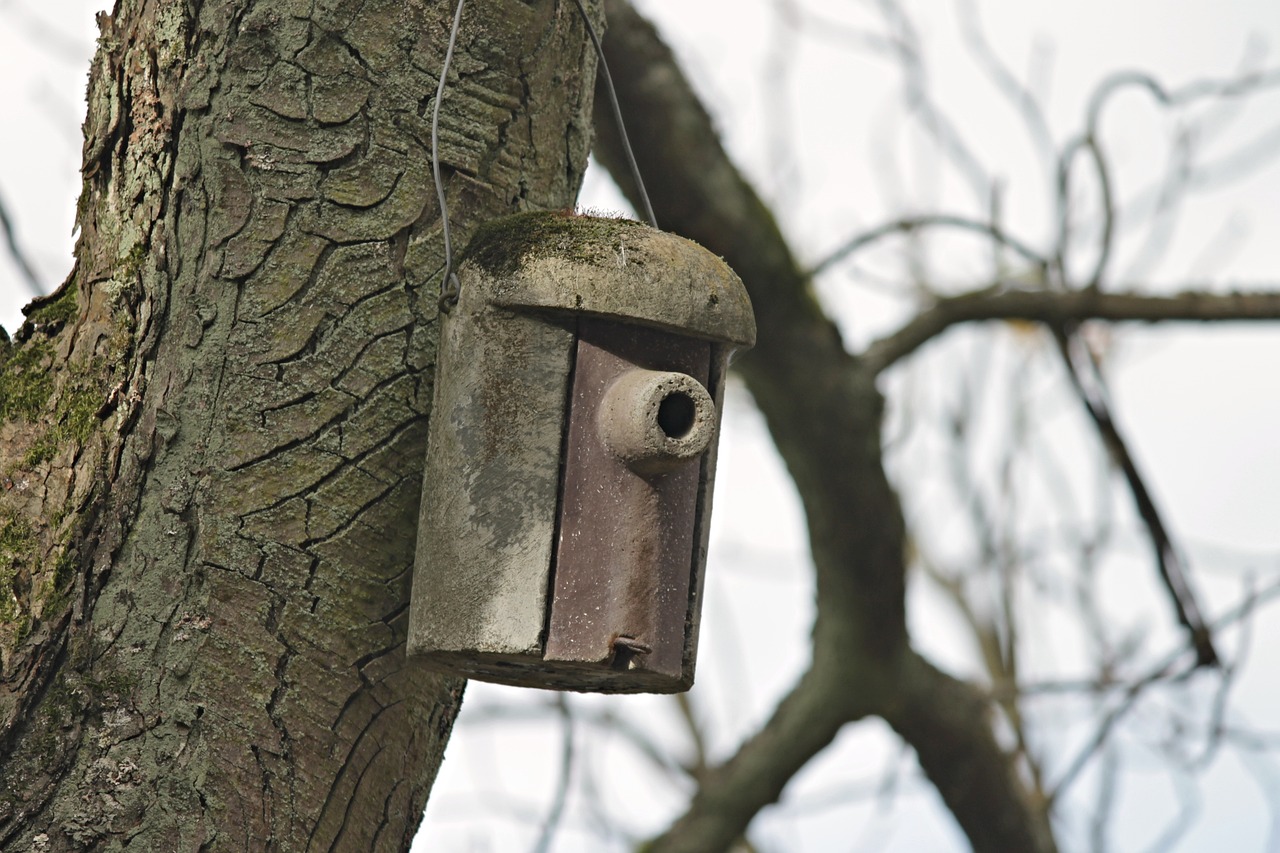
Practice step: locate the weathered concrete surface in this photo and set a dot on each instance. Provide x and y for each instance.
(556, 549)
(656, 420)
(613, 268)
(488, 518)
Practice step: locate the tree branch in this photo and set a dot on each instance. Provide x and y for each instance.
(803, 725)
(1053, 307)
(19, 257)
(948, 722)
(1168, 558)
(915, 223)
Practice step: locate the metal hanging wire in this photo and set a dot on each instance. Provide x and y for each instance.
(617, 117)
(449, 284)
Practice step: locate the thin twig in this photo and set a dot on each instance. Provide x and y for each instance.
(1242, 611)
(1197, 90)
(1090, 388)
(1195, 304)
(1165, 669)
(1131, 695)
(698, 768)
(24, 266)
(920, 103)
(1230, 674)
(1005, 82)
(910, 224)
(556, 813)
(1184, 815)
(1106, 240)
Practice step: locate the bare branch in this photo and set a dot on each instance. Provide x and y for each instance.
(1231, 87)
(1196, 304)
(803, 724)
(1008, 85)
(822, 409)
(556, 812)
(825, 414)
(919, 101)
(946, 720)
(604, 720)
(1091, 391)
(1179, 177)
(819, 25)
(911, 224)
(698, 768)
(1105, 800)
(1241, 612)
(1106, 243)
(1090, 145)
(1132, 692)
(1190, 804)
(1166, 669)
(15, 251)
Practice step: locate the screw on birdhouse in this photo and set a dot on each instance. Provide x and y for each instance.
(571, 454)
(625, 650)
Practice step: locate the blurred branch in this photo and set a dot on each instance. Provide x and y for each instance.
(602, 719)
(1168, 664)
(1132, 692)
(1091, 391)
(804, 724)
(1005, 82)
(1055, 308)
(1203, 89)
(51, 39)
(1190, 804)
(1180, 176)
(698, 768)
(911, 224)
(1166, 669)
(948, 723)
(1105, 799)
(919, 100)
(24, 266)
(819, 25)
(556, 812)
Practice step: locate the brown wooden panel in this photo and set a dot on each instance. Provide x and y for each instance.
(626, 549)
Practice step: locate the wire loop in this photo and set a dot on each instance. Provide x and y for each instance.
(449, 285)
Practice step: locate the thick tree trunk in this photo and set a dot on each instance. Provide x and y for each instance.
(211, 440)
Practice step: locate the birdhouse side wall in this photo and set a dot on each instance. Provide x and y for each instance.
(488, 515)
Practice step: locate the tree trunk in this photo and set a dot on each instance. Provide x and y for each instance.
(211, 437)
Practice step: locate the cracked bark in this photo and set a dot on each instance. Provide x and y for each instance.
(824, 412)
(212, 437)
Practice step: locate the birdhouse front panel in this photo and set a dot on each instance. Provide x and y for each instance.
(626, 549)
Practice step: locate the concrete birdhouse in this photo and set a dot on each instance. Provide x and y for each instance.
(572, 446)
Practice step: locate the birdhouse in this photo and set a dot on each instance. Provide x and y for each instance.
(571, 452)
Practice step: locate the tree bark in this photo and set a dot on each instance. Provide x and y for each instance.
(211, 438)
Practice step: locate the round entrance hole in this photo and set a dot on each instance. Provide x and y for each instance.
(675, 414)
